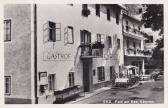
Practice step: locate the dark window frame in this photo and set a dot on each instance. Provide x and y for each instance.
(117, 17)
(109, 41)
(7, 37)
(99, 38)
(9, 85)
(108, 14)
(118, 43)
(97, 6)
(67, 35)
(128, 43)
(71, 79)
(50, 30)
(51, 82)
(101, 73)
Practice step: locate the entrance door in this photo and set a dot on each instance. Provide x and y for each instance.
(87, 76)
(112, 74)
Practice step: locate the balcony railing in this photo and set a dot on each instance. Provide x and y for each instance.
(90, 50)
(137, 52)
(132, 30)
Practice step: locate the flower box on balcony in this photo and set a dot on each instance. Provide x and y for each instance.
(85, 12)
(98, 45)
(140, 51)
(147, 52)
(85, 45)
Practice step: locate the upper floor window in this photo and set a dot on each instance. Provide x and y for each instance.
(126, 23)
(7, 30)
(108, 14)
(127, 43)
(117, 17)
(68, 35)
(71, 79)
(140, 10)
(85, 6)
(85, 37)
(7, 85)
(127, 27)
(139, 28)
(118, 42)
(149, 39)
(101, 73)
(109, 41)
(134, 45)
(98, 37)
(52, 32)
(97, 9)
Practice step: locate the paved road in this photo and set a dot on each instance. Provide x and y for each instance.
(147, 93)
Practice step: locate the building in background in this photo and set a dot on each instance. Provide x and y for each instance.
(134, 52)
(48, 49)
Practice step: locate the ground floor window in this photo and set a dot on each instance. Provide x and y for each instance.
(51, 82)
(101, 73)
(71, 79)
(7, 85)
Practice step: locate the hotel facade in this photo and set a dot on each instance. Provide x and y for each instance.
(49, 48)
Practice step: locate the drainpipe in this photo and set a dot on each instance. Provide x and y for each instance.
(123, 37)
(35, 54)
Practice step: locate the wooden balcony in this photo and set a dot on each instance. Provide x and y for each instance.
(91, 50)
(137, 53)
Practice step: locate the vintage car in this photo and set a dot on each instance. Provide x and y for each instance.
(128, 77)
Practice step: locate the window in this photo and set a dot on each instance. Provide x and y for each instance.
(126, 22)
(94, 72)
(101, 73)
(97, 9)
(109, 42)
(51, 82)
(85, 37)
(68, 35)
(85, 6)
(140, 10)
(7, 85)
(149, 39)
(52, 32)
(108, 14)
(117, 17)
(98, 37)
(127, 27)
(7, 30)
(134, 45)
(139, 28)
(71, 79)
(118, 42)
(127, 43)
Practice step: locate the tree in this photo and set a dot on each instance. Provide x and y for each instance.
(153, 18)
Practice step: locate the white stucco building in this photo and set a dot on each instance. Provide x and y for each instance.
(50, 48)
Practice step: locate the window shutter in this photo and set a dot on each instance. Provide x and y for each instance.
(58, 32)
(82, 36)
(70, 35)
(45, 32)
(65, 36)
